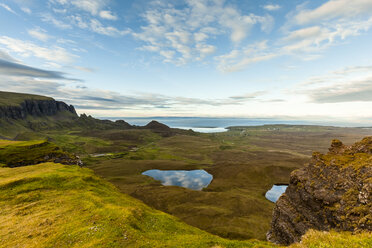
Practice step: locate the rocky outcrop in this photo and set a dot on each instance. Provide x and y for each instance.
(333, 191)
(36, 108)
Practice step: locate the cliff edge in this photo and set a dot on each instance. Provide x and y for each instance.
(20, 106)
(333, 191)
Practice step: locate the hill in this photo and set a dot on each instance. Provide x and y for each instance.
(20, 106)
(16, 99)
(32, 114)
(26, 113)
(54, 205)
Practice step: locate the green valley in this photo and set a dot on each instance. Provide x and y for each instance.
(50, 201)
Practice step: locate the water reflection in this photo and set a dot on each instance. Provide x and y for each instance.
(194, 179)
(275, 192)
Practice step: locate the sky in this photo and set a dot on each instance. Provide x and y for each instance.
(213, 58)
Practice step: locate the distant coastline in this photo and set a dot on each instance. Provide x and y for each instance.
(220, 124)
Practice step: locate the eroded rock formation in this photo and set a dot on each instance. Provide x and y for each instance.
(333, 191)
(36, 108)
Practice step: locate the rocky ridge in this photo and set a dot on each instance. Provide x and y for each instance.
(36, 108)
(332, 192)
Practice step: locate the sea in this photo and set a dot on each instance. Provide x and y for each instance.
(214, 125)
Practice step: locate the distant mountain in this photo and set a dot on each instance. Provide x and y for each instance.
(21, 113)
(157, 126)
(24, 113)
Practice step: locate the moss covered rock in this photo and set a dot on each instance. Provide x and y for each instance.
(332, 192)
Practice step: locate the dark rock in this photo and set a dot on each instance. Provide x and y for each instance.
(332, 192)
(36, 108)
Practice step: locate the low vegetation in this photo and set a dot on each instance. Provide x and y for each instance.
(15, 99)
(54, 205)
(16, 153)
(245, 162)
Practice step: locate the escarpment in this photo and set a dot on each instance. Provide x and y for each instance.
(22, 113)
(332, 192)
(36, 108)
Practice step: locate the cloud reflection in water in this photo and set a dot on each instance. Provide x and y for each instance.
(194, 179)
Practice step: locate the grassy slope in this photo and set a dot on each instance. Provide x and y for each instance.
(54, 205)
(15, 99)
(317, 239)
(17, 153)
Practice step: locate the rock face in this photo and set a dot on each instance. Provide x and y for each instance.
(334, 191)
(36, 108)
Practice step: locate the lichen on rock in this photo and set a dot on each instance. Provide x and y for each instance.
(332, 192)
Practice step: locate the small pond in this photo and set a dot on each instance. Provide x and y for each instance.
(194, 179)
(275, 192)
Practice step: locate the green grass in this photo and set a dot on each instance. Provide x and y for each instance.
(78, 144)
(54, 205)
(244, 162)
(318, 239)
(16, 153)
(15, 99)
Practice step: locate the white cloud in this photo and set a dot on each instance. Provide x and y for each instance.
(26, 49)
(79, 22)
(343, 9)
(326, 26)
(60, 11)
(7, 8)
(106, 14)
(272, 7)
(97, 27)
(353, 69)
(239, 59)
(94, 7)
(39, 34)
(26, 10)
(350, 91)
(317, 38)
(190, 32)
(51, 19)
(348, 84)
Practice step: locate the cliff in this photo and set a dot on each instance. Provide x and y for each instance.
(20, 106)
(22, 113)
(332, 192)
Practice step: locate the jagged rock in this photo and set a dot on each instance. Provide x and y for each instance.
(332, 192)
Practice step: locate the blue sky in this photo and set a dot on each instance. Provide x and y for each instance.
(286, 59)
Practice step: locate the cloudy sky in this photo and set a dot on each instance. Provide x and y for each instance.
(241, 58)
